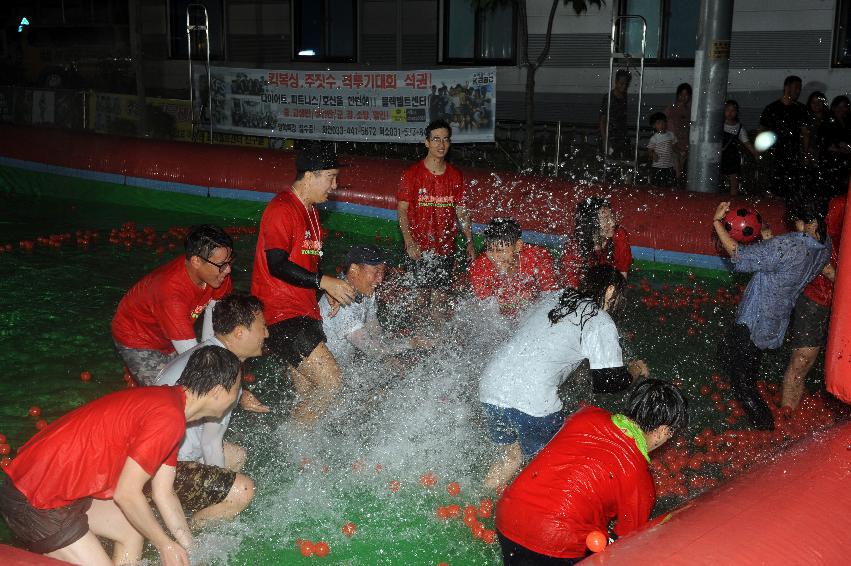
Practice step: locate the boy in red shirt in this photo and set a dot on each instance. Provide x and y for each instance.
(82, 476)
(811, 317)
(429, 206)
(286, 278)
(511, 270)
(594, 470)
(156, 317)
(597, 240)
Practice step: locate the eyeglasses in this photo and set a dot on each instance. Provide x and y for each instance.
(222, 266)
(436, 139)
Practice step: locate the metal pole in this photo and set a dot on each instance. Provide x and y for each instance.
(711, 63)
(558, 147)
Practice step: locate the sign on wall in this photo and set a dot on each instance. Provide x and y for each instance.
(374, 106)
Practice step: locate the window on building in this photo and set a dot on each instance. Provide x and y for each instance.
(325, 30)
(671, 30)
(215, 28)
(842, 36)
(478, 36)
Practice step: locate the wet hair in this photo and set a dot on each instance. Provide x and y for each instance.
(654, 403)
(683, 87)
(791, 79)
(623, 74)
(808, 210)
(656, 116)
(209, 366)
(235, 310)
(204, 238)
(501, 232)
(587, 224)
(436, 125)
(734, 104)
(837, 100)
(592, 288)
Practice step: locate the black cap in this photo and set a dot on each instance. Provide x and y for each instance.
(364, 255)
(317, 156)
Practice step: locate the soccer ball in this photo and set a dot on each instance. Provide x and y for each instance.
(744, 224)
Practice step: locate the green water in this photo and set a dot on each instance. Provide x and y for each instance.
(55, 309)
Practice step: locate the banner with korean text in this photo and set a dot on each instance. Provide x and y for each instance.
(372, 106)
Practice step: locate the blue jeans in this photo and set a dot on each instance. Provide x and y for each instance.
(507, 426)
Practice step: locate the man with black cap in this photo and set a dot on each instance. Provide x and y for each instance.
(286, 278)
(356, 327)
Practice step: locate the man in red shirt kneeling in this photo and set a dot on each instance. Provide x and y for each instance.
(513, 272)
(594, 470)
(81, 477)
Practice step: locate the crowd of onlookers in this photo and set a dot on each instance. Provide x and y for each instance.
(808, 150)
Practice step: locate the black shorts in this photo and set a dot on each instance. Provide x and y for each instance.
(514, 554)
(663, 177)
(42, 530)
(198, 486)
(432, 271)
(294, 339)
(810, 322)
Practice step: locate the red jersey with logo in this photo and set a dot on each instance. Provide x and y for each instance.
(820, 289)
(618, 254)
(535, 274)
(590, 473)
(82, 453)
(286, 225)
(432, 200)
(163, 306)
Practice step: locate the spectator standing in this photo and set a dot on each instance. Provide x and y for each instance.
(786, 118)
(734, 138)
(817, 114)
(679, 123)
(614, 127)
(662, 152)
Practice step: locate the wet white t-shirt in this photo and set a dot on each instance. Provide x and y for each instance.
(526, 372)
(349, 319)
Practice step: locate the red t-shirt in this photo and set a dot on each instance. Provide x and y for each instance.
(535, 274)
(432, 200)
(82, 453)
(590, 473)
(820, 289)
(286, 226)
(163, 306)
(617, 253)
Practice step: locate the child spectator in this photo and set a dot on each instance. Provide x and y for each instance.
(662, 152)
(513, 272)
(597, 240)
(734, 138)
(811, 317)
(519, 387)
(782, 267)
(594, 470)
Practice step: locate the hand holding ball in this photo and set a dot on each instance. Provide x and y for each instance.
(743, 223)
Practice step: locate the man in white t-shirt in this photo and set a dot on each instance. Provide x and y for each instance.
(355, 327)
(207, 479)
(519, 387)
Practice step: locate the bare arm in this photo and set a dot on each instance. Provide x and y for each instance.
(411, 247)
(727, 241)
(466, 229)
(829, 271)
(129, 498)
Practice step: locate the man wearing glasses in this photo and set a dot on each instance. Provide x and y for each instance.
(429, 206)
(155, 319)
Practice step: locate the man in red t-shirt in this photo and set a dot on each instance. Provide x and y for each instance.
(429, 206)
(513, 272)
(82, 476)
(811, 317)
(595, 469)
(156, 317)
(286, 278)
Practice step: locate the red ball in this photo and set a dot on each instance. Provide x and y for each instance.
(35, 411)
(744, 224)
(306, 548)
(453, 488)
(85, 376)
(321, 549)
(2, 439)
(349, 529)
(596, 541)
(40, 424)
(5, 449)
